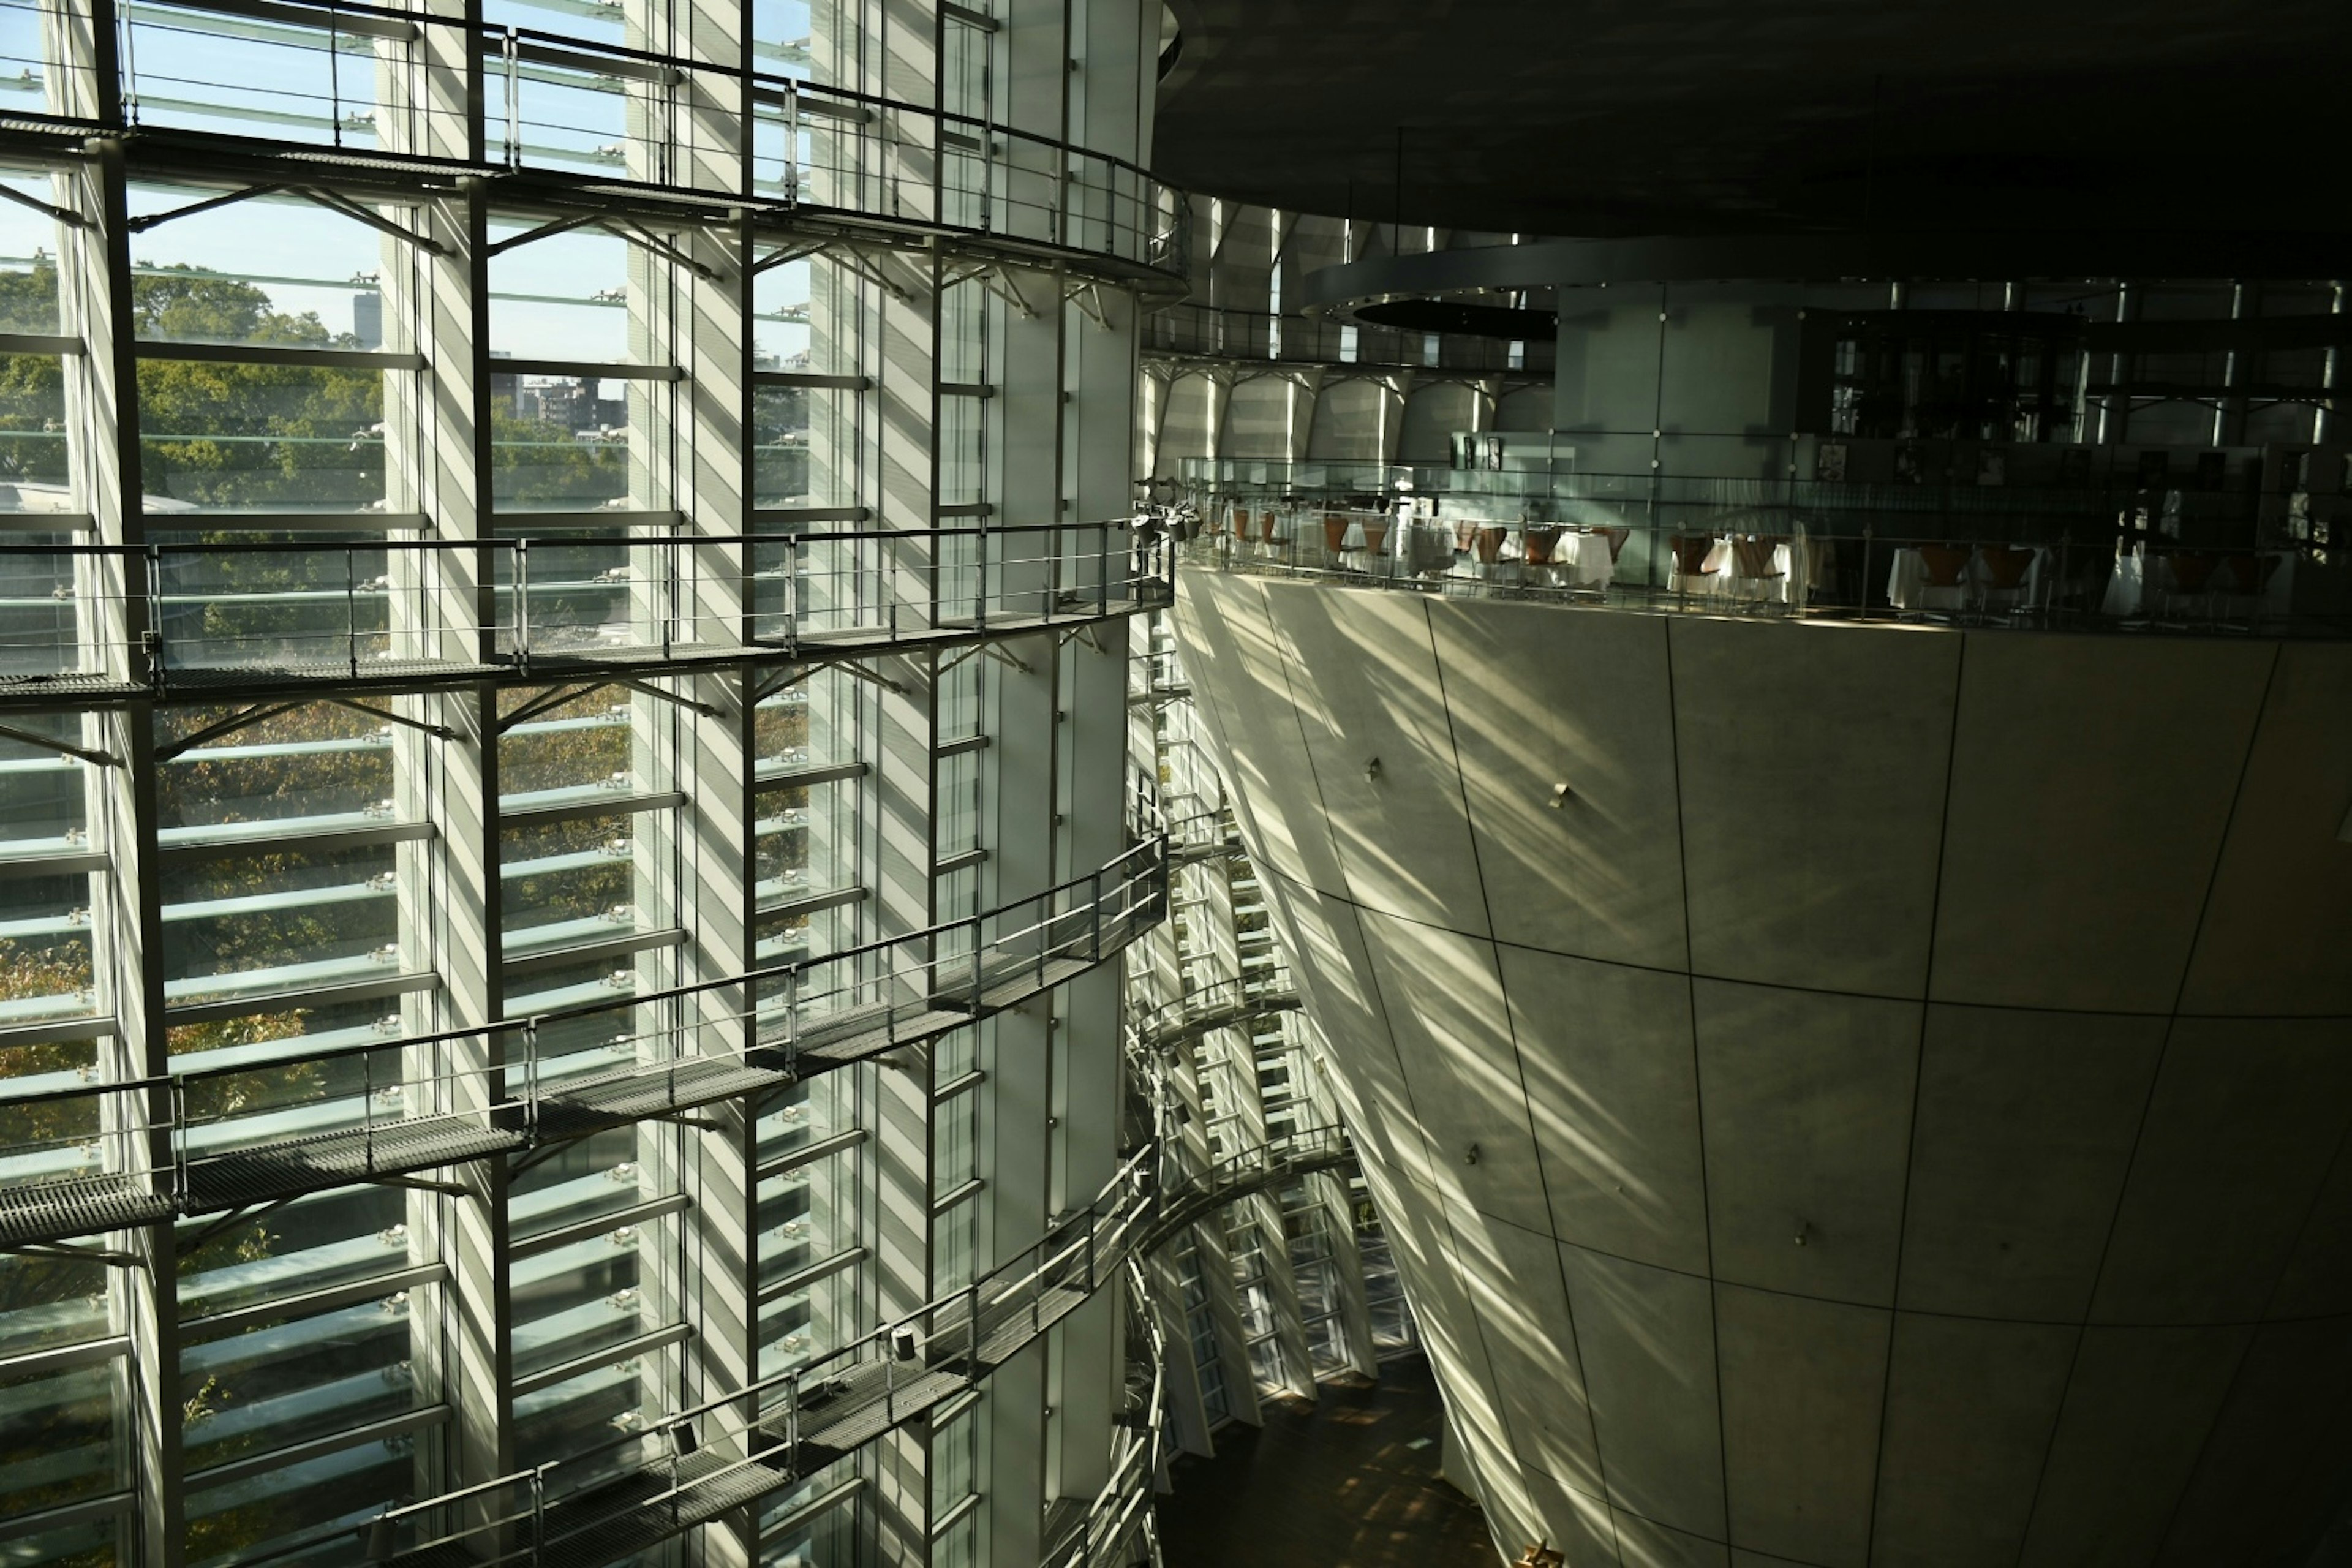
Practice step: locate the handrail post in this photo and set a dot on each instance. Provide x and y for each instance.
(159, 653)
(1095, 908)
(1102, 568)
(367, 1106)
(522, 604)
(971, 1358)
(351, 608)
(889, 1386)
(530, 1076)
(177, 1137)
(792, 1022)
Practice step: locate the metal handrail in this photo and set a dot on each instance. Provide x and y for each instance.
(1121, 1204)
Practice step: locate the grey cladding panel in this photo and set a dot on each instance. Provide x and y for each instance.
(2025, 1130)
(2092, 779)
(1612, 1086)
(1806, 1099)
(1813, 762)
(2272, 939)
(1384, 752)
(1969, 1409)
(1541, 697)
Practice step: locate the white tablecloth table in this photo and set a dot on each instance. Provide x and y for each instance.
(1720, 577)
(1908, 587)
(2144, 585)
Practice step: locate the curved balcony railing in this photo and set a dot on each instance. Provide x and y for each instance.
(1101, 1533)
(2089, 560)
(597, 102)
(411, 614)
(1223, 1005)
(256, 1130)
(694, 1465)
(1209, 332)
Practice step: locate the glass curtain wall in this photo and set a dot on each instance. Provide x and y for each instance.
(546, 551)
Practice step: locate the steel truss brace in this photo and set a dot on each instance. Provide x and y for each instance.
(66, 216)
(242, 1215)
(544, 231)
(420, 1184)
(242, 719)
(1080, 634)
(636, 234)
(850, 259)
(439, 732)
(26, 737)
(786, 682)
(785, 254)
(649, 690)
(341, 205)
(1087, 297)
(142, 224)
(62, 1251)
(353, 210)
(555, 697)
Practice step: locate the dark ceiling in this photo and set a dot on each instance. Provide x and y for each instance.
(1626, 117)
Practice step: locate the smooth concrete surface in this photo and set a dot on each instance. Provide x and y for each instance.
(1890, 1109)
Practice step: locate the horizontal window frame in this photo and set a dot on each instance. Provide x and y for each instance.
(800, 1279)
(54, 863)
(806, 514)
(46, 523)
(815, 381)
(963, 1508)
(816, 1508)
(815, 903)
(580, 1366)
(810, 777)
(575, 811)
(962, 1192)
(310, 1303)
(375, 22)
(285, 522)
(810, 1154)
(254, 1464)
(55, 1359)
(320, 840)
(330, 995)
(626, 945)
(571, 1235)
(587, 369)
(283, 354)
(65, 1516)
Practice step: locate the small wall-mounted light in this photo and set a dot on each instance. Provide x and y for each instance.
(902, 1343)
(1804, 1230)
(1470, 1155)
(1558, 796)
(1372, 771)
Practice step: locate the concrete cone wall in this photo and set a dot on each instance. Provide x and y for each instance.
(1891, 1109)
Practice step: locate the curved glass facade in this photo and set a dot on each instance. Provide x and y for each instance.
(563, 622)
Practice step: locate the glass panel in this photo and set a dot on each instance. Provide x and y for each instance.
(45, 950)
(316, 766)
(60, 1440)
(299, 1378)
(567, 881)
(285, 79)
(576, 752)
(276, 920)
(43, 803)
(575, 1301)
(46, 1301)
(216, 435)
(271, 270)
